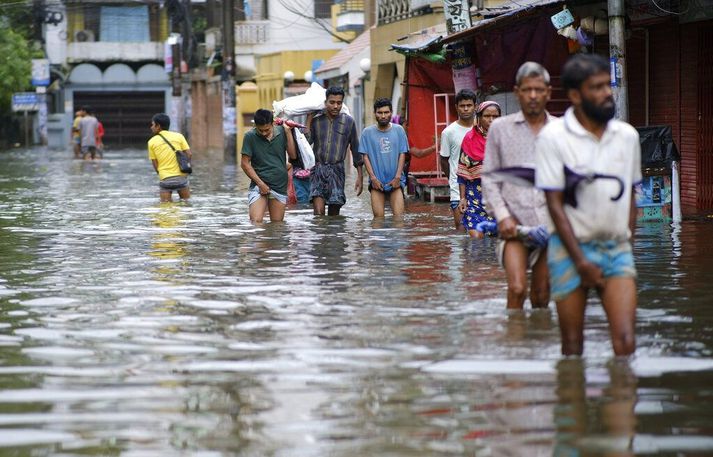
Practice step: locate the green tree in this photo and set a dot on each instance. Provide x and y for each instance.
(15, 65)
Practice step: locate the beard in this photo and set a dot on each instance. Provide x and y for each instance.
(383, 123)
(599, 113)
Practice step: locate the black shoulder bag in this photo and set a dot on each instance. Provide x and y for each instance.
(184, 162)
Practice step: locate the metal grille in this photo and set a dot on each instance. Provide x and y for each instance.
(252, 32)
(125, 115)
(705, 118)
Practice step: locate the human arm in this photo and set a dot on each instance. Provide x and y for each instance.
(291, 147)
(246, 165)
(154, 162)
(396, 182)
(308, 132)
(463, 203)
(419, 153)
(375, 183)
(357, 159)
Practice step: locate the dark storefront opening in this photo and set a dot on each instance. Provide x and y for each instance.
(126, 116)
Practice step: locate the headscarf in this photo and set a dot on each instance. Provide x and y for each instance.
(474, 142)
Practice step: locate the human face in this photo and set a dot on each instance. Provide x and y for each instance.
(596, 99)
(264, 131)
(533, 94)
(487, 117)
(383, 116)
(155, 128)
(333, 104)
(466, 110)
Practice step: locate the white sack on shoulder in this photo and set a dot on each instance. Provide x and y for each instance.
(305, 149)
(312, 100)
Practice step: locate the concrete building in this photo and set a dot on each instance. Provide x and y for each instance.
(110, 55)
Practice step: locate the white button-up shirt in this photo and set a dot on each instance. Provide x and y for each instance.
(565, 142)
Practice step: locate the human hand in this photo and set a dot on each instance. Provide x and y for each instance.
(507, 228)
(358, 187)
(264, 188)
(376, 184)
(462, 205)
(590, 274)
(395, 183)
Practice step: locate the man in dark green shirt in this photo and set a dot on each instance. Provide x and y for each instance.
(263, 160)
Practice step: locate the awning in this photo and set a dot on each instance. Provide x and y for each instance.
(503, 19)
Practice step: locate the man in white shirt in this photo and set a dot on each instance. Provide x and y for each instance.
(590, 246)
(451, 139)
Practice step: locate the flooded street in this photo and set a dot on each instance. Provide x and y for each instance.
(138, 329)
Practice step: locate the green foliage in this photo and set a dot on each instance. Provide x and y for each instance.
(15, 65)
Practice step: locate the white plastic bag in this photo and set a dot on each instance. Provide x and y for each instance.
(312, 100)
(305, 150)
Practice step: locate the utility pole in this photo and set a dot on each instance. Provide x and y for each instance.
(617, 57)
(228, 83)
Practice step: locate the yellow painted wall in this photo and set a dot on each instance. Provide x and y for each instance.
(349, 36)
(247, 103)
(382, 37)
(272, 67)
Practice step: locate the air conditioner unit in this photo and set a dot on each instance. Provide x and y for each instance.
(82, 36)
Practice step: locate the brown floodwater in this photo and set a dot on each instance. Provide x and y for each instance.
(133, 328)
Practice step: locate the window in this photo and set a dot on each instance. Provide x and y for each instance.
(124, 23)
(323, 9)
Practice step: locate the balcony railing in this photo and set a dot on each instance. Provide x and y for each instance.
(397, 10)
(98, 51)
(252, 32)
(350, 5)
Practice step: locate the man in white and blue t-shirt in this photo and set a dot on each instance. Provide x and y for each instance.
(590, 246)
(384, 147)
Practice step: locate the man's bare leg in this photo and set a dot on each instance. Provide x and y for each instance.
(540, 282)
(276, 209)
(396, 200)
(165, 195)
(184, 193)
(257, 209)
(318, 206)
(619, 300)
(378, 200)
(570, 312)
(333, 210)
(515, 262)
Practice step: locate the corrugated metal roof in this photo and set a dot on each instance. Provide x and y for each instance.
(346, 54)
(525, 9)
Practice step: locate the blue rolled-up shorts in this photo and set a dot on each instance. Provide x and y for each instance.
(614, 257)
(454, 204)
(254, 194)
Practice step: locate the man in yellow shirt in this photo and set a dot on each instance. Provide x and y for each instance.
(162, 152)
(76, 136)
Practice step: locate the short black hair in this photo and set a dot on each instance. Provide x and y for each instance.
(162, 120)
(580, 67)
(465, 94)
(334, 90)
(382, 102)
(87, 108)
(262, 117)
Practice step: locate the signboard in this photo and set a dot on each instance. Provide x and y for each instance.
(25, 101)
(457, 14)
(40, 72)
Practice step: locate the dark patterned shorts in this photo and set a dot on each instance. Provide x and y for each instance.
(327, 182)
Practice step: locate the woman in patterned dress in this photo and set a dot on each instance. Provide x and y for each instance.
(470, 164)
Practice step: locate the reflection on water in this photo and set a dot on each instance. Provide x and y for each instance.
(129, 327)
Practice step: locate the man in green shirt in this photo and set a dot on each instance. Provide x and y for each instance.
(263, 160)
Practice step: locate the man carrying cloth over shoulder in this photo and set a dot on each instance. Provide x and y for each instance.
(331, 133)
(264, 160)
(590, 245)
(511, 143)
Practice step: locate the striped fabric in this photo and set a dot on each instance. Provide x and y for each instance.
(331, 138)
